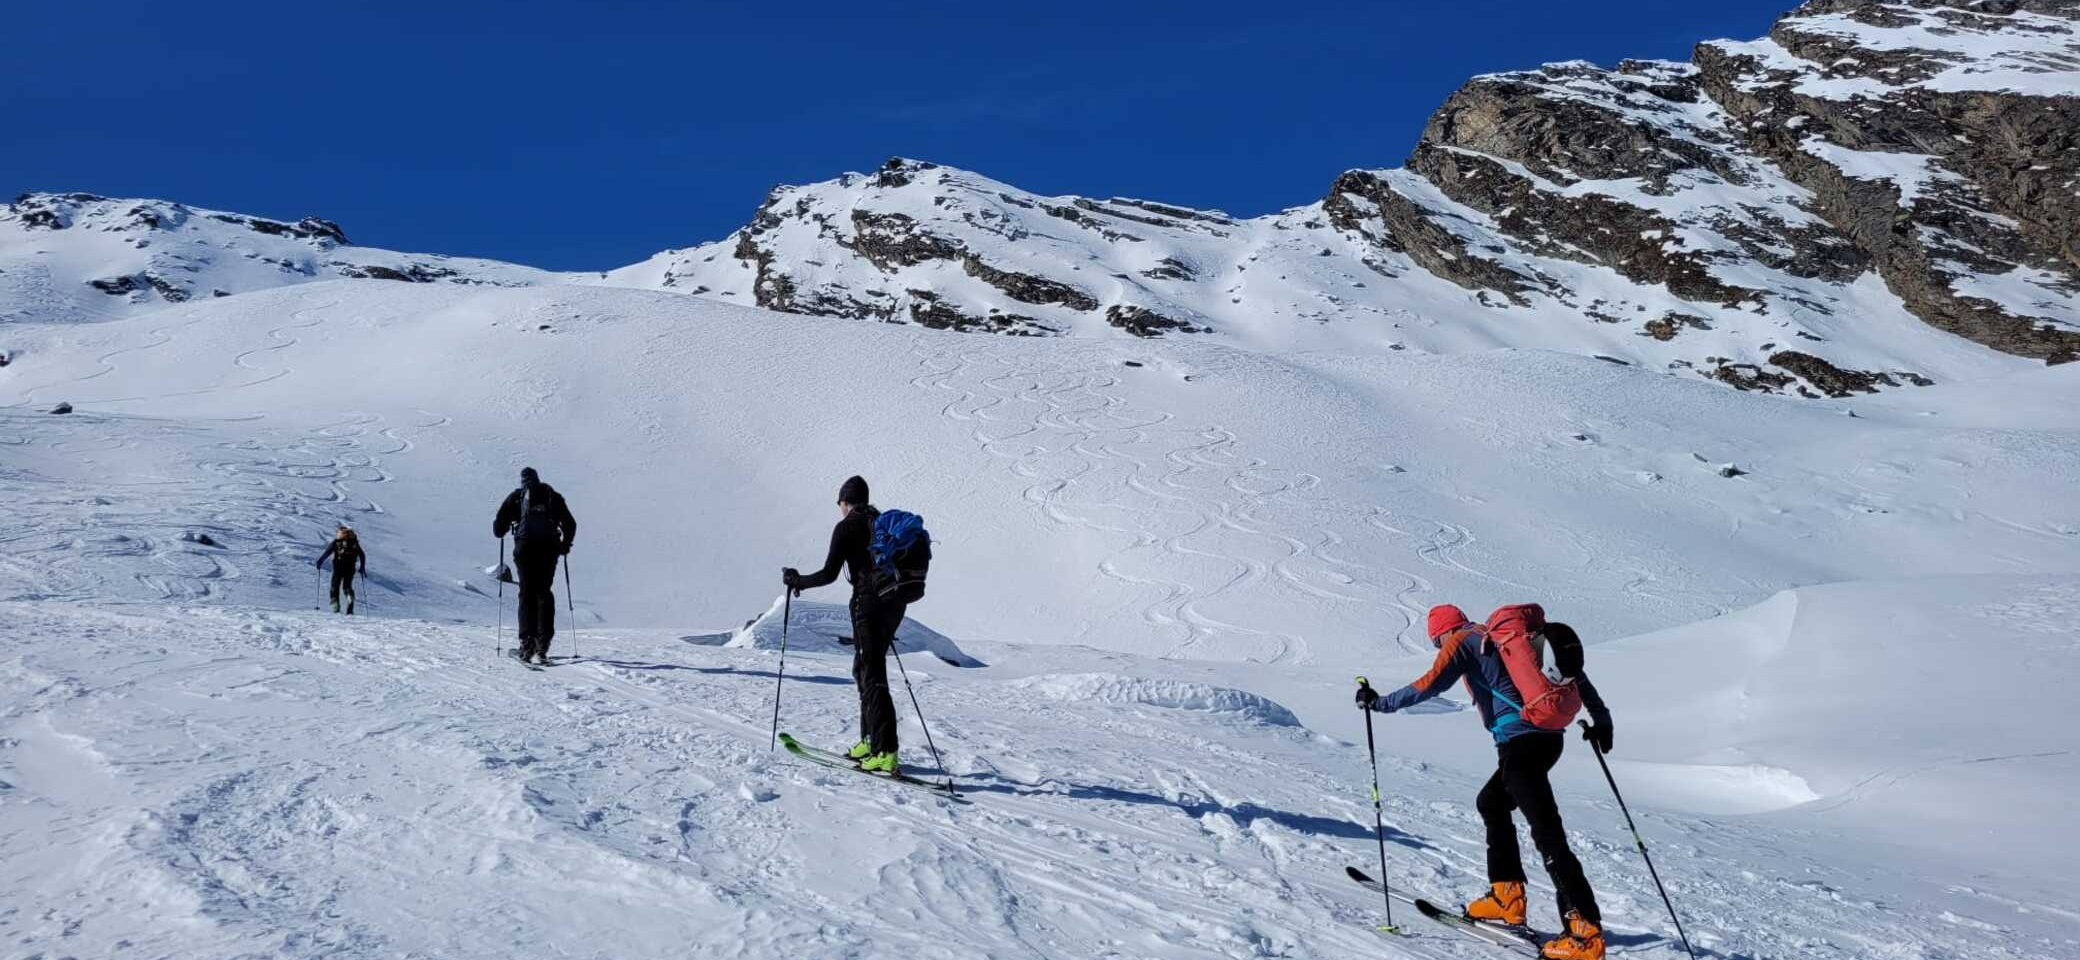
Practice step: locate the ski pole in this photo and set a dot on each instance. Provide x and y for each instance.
(572, 603)
(321, 590)
(786, 613)
(499, 637)
(1642, 844)
(920, 716)
(1379, 825)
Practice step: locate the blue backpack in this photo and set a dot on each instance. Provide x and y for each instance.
(902, 555)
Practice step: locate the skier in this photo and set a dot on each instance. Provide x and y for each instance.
(874, 623)
(543, 529)
(346, 553)
(1525, 754)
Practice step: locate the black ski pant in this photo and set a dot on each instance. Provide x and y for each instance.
(537, 570)
(873, 632)
(343, 580)
(1520, 784)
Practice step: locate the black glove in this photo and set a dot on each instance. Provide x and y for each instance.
(792, 578)
(1368, 698)
(319, 563)
(1598, 735)
(566, 548)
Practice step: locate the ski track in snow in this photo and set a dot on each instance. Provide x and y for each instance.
(1199, 519)
(249, 775)
(252, 496)
(188, 774)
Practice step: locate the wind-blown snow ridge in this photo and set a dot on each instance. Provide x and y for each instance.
(1169, 694)
(827, 628)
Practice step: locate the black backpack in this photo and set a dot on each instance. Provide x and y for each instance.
(537, 515)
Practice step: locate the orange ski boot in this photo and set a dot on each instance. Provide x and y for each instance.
(1504, 904)
(1582, 941)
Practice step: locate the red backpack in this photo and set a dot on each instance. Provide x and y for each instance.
(1517, 633)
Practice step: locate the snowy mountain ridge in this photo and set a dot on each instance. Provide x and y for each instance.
(1877, 194)
(1749, 216)
(78, 257)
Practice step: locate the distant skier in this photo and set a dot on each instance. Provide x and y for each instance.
(543, 529)
(347, 556)
(1525, 753)
(874, 623)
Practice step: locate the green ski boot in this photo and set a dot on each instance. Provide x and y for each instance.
(860, 750)
(881, 763)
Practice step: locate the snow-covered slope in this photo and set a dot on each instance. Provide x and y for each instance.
(67, 257)
(1172, 497)
(219, 781)
(1165, 559)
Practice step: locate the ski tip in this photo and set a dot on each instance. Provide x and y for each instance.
(1356, 874)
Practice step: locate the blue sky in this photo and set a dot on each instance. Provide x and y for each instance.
(590, 135)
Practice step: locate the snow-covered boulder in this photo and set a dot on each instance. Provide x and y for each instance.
(814, 627)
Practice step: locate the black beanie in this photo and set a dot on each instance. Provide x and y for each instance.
(527, 476)
(854, 492)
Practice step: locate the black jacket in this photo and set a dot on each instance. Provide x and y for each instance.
(852, 546)
(545, 499)
(346, 554)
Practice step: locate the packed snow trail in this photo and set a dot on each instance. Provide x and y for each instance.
(216, 780)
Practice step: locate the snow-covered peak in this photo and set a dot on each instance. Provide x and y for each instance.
(78, 256)
(1701, 218)
(1843, 49)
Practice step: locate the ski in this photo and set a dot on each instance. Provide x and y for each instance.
(1518, 940)
(1525, 942)
(516, 656)
(1365, 880)
(837, 761)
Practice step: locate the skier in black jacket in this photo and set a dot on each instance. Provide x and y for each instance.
(874, 623)
(346, 554)
(543, 529)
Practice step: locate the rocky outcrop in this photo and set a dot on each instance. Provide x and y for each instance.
(892, 240)
(408, 273)
(1941, 168)
(1368, 204)
(929, 309)
(1143, 322)
(1026, 288)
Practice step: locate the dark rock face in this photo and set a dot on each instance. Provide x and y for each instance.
(891, 240)
(1636, 242)
(117, 286)
(1998, 195)
(49, 211)
(412, 272)
(1026, 288)
(325, 232)
(1363, 202)
(929, 309)
(1534, 150)
(1143, 322)
(1171, 268)
(1828, 378)
(1669, 324)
